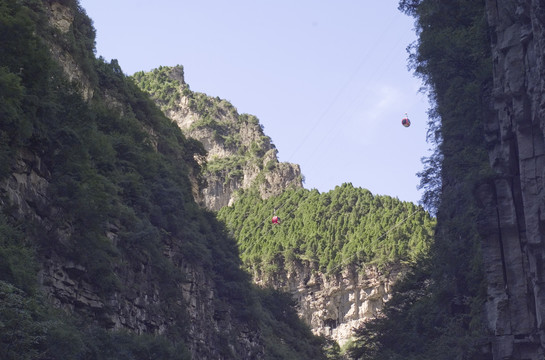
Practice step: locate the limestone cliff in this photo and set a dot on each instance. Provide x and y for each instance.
(239, 154)
(335, 305)
(61, 18)
(139, 305)
(192, 302)
(513, 232)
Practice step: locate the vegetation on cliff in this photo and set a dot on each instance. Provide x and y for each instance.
(327, 231)
(436, 313)
(119, 196)
(218, 117)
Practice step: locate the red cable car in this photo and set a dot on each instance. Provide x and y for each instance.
(405, 121)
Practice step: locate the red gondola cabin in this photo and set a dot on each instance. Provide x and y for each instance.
(405, 121)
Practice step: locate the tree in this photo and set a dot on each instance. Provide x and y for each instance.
(452, 56)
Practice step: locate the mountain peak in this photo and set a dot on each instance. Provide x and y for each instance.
(239, 154)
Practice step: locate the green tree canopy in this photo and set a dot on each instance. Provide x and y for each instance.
(330, 230)
(436, 313)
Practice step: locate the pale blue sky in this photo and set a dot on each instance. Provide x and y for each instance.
(327, 79)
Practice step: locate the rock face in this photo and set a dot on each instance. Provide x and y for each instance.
(334, 305)
(138, 307)
(331, 305)
(61, 18)
(239, 155)
(513, 231)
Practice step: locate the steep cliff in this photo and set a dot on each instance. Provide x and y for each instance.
(338, 253)
(333, 305)
(142, 304)
(514, 232)
(98, 215)
(239, 154)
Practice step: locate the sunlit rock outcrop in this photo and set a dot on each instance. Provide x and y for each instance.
(239, 154)
(335, 305)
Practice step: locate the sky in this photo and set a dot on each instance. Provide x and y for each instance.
(328, 80)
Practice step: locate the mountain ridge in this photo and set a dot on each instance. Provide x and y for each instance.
(239, 154)
(351, 281)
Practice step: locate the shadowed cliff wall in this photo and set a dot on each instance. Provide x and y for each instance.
(513, 234)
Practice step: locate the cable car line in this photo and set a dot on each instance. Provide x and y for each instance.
(341, 90)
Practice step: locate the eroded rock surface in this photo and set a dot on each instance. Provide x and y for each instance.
(335, 305)
(513, 233)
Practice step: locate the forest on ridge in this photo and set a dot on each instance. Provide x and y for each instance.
(328, 231)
